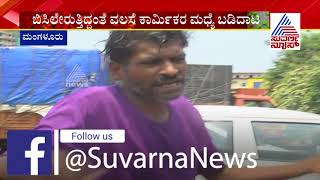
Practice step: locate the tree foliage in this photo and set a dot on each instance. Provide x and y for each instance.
(294, 82)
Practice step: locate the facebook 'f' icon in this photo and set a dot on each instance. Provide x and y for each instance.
(34, 154)
(29, 152)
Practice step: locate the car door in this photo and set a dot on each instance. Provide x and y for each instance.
(233, 141)
(279, 143)
(274, 142)
(221, 133)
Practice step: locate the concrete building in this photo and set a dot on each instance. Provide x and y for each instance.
(247, 80)
(247, 90)
(208, 84)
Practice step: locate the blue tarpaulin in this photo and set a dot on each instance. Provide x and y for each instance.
(39, 76)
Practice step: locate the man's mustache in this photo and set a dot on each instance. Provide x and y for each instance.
(169, 79)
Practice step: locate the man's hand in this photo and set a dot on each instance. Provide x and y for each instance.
(3, 166)
(312, 163)
(307, 166)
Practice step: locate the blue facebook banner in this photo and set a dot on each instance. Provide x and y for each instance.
(29, 152)
(46, 38)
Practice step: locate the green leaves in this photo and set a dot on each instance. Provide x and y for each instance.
(294, 82)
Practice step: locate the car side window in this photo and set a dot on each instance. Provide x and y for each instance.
(221, 133)
(286, 141)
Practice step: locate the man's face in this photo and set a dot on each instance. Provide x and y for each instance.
(155, 72)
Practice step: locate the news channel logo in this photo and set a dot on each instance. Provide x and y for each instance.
(29, 152)
(77, 78)
(285, 31)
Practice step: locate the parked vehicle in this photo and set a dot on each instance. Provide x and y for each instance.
(277, 136)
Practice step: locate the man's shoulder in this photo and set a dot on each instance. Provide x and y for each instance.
(95, 92)
(186, 111)
(183, 104)
(91, 96)
(181, 101)
(74, 110)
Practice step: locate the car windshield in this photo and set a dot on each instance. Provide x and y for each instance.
(286, 141)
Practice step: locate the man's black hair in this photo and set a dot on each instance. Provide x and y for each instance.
(120, 44)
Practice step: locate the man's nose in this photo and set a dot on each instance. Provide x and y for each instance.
(169, 69)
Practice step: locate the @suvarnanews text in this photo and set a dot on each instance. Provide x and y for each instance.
(33, 150)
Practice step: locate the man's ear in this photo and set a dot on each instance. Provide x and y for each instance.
(115, 71)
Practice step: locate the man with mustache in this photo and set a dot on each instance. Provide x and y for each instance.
(149, 70)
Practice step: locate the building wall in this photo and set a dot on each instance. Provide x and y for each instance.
(253, 82)
(208, 84)
(246, 75)
(247, 80)
(238, 83)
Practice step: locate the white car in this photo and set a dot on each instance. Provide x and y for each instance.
(277, 136)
